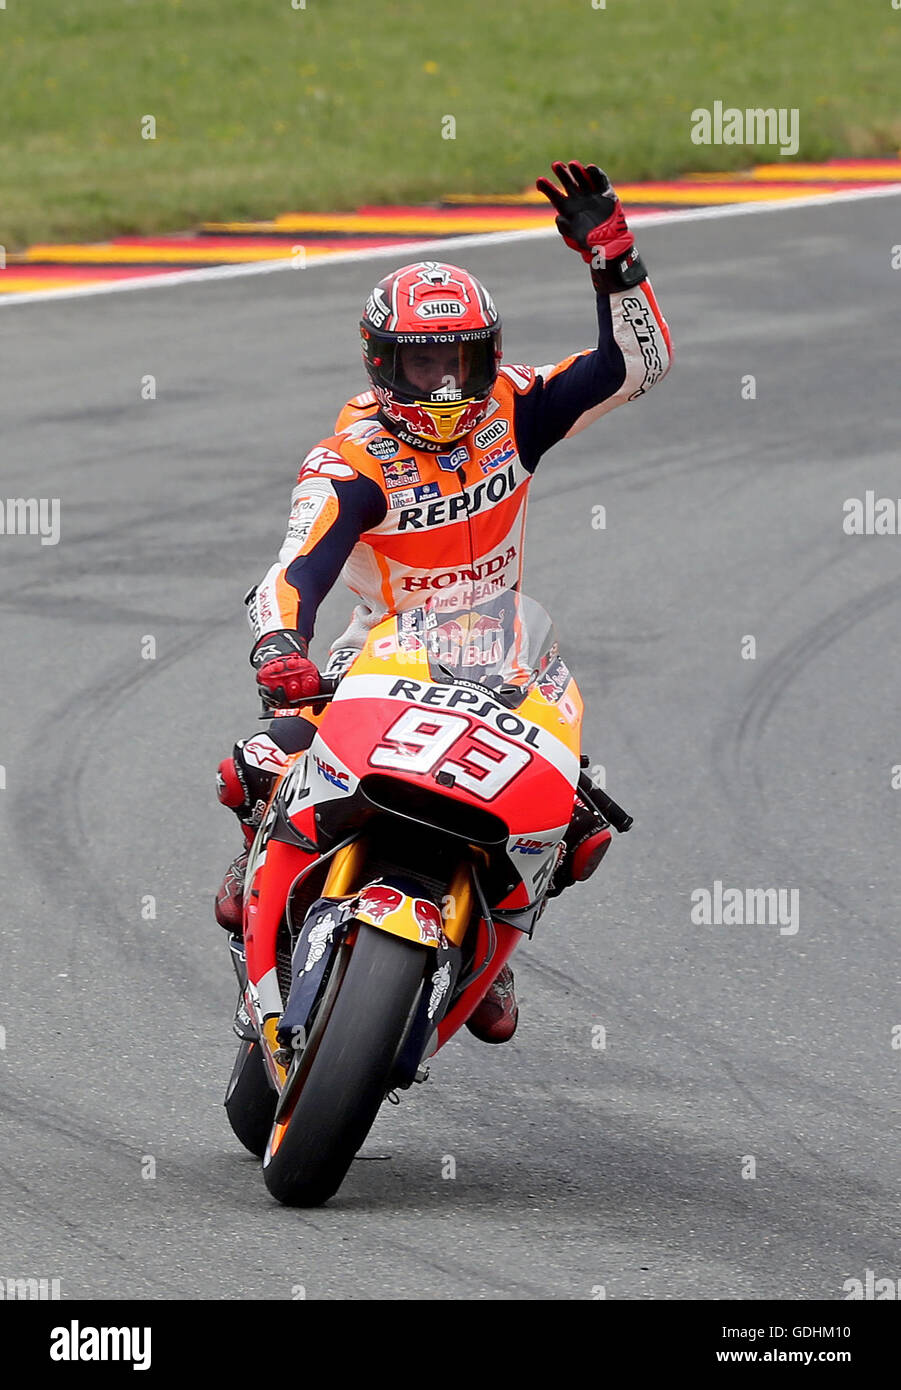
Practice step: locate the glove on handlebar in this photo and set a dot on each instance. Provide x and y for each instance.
(285, 675)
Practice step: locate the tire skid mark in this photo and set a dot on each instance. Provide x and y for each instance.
(71, 748)
(75, 1230)
(736, 746)
(700, 1049)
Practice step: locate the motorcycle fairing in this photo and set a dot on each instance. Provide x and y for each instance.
(538, 739)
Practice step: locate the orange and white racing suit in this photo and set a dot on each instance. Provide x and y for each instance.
(399, 520)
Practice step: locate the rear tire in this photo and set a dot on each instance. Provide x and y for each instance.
(250, 1100)
(340, 1097)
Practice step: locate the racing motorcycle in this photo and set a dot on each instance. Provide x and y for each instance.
(401, 859)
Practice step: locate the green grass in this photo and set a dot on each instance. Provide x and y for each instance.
(261, 108)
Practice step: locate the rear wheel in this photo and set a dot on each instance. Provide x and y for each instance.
(250, 1100)
(312, 1147)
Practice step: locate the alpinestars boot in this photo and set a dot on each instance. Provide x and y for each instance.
(495, 1019)
(243, 784)
(229, 906)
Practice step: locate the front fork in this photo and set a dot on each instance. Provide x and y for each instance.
(244, 1025)
(386, 906)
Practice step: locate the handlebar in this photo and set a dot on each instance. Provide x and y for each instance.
(327, 687)
(609, 809)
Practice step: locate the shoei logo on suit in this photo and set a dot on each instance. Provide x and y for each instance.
(383, 448)
(490, 434)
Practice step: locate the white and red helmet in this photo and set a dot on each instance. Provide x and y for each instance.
(432, 345)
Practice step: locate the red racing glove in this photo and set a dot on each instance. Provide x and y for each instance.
(590, 219)
(285, 676)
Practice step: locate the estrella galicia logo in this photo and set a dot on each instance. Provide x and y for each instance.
(383, 448)
(454, 460)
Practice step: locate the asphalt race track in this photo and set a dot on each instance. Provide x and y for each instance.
(576, 1167)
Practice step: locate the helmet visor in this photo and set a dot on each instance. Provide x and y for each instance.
(437, 371)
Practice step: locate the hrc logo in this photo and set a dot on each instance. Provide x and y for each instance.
(526, 846)
(331, 774)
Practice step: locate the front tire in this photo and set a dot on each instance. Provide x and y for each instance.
(311, 1149)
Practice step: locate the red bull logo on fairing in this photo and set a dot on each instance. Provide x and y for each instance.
(428, 919)
(469, 642)
(379, 901)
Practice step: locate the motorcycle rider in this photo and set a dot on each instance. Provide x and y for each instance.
(424, 482)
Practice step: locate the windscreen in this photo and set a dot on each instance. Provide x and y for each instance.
(503, 641)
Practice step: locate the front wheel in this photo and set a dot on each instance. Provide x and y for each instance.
(311, 1148)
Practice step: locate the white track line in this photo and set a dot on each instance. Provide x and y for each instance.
(229, 272)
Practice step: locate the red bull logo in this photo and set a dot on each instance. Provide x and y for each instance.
(554, 680)
(379, 901)
(470, 641)
(486, 642)
(428, 919)
(401, 473)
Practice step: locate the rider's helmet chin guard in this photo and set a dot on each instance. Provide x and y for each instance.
(449, 317)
